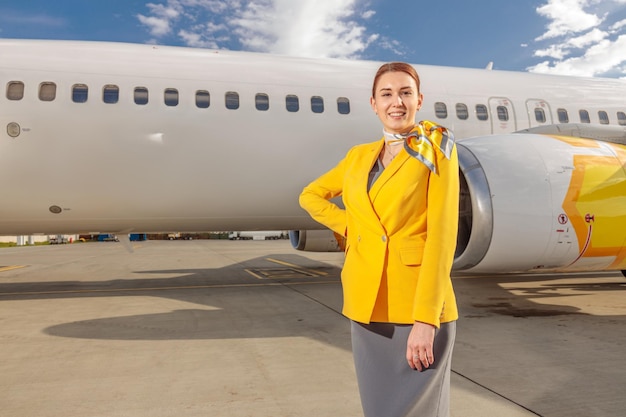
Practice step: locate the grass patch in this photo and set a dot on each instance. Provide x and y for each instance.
(13, 244)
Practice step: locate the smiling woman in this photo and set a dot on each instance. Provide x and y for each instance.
(401, 303)
(396, 97)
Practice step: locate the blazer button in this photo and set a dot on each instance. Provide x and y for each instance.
(384, 238)
(358, 238)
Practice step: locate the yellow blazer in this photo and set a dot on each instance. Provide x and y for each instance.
(401, 235)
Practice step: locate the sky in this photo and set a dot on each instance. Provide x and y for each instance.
(568, 37)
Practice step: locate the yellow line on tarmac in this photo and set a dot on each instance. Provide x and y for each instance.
(297, 267)
(11, 267)
(257, 276)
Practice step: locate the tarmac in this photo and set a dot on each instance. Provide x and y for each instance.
(253, 328)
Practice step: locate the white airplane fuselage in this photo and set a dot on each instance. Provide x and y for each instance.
(94, 156)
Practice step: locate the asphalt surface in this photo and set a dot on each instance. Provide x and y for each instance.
(253, 328)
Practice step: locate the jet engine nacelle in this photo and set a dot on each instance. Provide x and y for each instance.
(316, 240)
(533, 202)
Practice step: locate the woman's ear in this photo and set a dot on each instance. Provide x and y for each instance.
(373, 104)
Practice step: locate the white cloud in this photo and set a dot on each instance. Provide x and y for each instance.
(579, 40)
(603, 57)
(313, 28)
(592, 37)
(162, 17)
(317, 28)
(567, 16)
(214, 28)
(560, 51)
(195, 40)
(618, 25)
(552, 51)
(398, 48)
(368, 14)
(157, 26)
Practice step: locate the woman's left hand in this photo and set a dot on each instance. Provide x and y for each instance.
(419, 347)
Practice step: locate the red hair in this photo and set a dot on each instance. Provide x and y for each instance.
(396, 67)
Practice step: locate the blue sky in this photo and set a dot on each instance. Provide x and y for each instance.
(575, 37)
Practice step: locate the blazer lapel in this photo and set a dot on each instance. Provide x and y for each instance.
(367, 161)
(388, 173)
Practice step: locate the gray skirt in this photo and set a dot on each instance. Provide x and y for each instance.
(388, 386)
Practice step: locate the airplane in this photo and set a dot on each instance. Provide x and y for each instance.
(133, 138)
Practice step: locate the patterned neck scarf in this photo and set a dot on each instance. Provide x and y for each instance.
(426, 140)
(394, 138)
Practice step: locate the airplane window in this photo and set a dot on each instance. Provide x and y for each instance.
(503, 113)
(232, 100)
(80, 92)
(584, 116)
(621, 118)
(481, 112)
(563, 116)
(141, 95)
(15, 90)
(171, 97)
(343, 105)
(292, 103)
(604, 117)
(540, 115)
(461, 111)
(203, 99)
(111, 94)
(441, 111)
(262, 101)
(317, 104)
(47, 91)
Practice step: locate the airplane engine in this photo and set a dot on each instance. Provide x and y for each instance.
(316, 240)
(532, 202)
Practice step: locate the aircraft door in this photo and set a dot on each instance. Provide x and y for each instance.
(539, 113)
(502, 115)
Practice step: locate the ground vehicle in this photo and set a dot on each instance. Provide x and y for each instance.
(258, 235)
(58, 239)
(177, 236)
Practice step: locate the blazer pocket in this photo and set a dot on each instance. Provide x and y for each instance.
(412, 255)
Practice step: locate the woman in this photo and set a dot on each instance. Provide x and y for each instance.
(401, 197)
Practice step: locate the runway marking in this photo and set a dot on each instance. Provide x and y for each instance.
(312, 271)
(292, 271)
(11, 267)
(277, 273)
(190, 287)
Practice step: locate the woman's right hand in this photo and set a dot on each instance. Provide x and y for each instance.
(419, 347)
